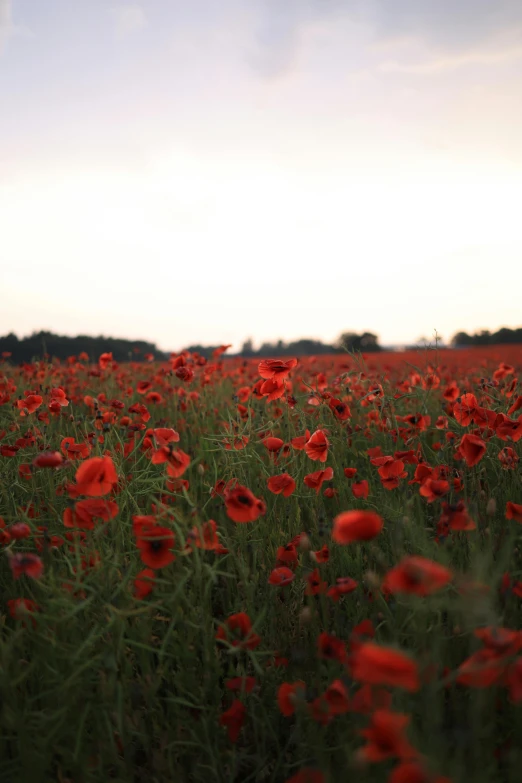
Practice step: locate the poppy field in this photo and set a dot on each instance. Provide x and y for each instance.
(298, 570)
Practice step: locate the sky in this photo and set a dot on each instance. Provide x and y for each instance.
(216, 170)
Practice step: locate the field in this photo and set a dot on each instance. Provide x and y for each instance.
(293, 571)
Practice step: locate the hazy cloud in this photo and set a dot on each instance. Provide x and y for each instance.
(128, 18)
(458, 29)
(5, 21)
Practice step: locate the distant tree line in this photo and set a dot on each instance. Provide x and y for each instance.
(49, 345)
(504, 336)
(40, 345)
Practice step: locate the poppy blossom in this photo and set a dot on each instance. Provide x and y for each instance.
(514, 511)
(331, 648)
(29, 404)
(287, 554)
(418, 576)
(317, 447)
(287, 696)
(281, 576)
(283, 484)
(155, 544)
(315, 480)
(233, 719)
(144, 583)
(242, 505)
(337, 697)
(276, 368)
(343, 586)
(95, 477)
(300, 442)
(360, 489)
(378, 665)
(176, 459)
(48, 459)
(207, 537)
(433, 489)
(237, 631)
(85, 513)
(472, 449)
(315, 584)
(22, 609)
(25, 563)
(356, 525)
(350, 472)
(414, 772)
(385, 737)
(246, 684)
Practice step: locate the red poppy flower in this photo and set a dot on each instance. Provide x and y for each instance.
(315, 584)
(300, 442)
(19, 531)
(455, 517)
(207, 538)
(433, 489)
(322, 555)
(288, 696)
(237, 631)
(417, 575)
(29, 404)
(356, 525)
(287, 554)
(339, 409)
(315, 480)
(283, 484)
(472, 449)
(273, 445)
(276, 368)
(240, 684)
(360, 489)
(317, 447)
(22, 609)
(413, 772)
(233, 719)
(242, 505)
(104, 360)
(378, 665)
(144, 583)
(177, 461)
(155, 543)
(25, 563)
(87, 511)
(95, 477)
(464, 409)
(281, 576)
(337, 698)
(331, 648)
(73, 450)
(165, 435)
(48, 459)
(370, 698)
(385, 737)
(514, 511)
(350, 472)
(343, 586)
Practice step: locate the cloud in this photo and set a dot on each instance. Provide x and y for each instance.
(455, 31)
(449, 63)
(128, 18)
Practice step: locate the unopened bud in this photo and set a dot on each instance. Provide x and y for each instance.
(305, 615)
(201, 469)
(491, 508)
(372, 579)
(304, 543)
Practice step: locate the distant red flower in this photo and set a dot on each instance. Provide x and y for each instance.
(300, 442)
(356, 525)
(165, 435)
(233, 719)
(239, 684)
(242, 505)
(472, 449)
(155, 543)
(95, 477)
(104, 360)
(22, 609)
(456, 517)
(343, 586)
(337, 698)
(378, 665)
(360, 489)
(25, 563)
(331, 648)
(322, 555)
(369, 698)
(350, 472)
(413, 772)
(514, 511)
(176, 459)
(73, 450)
(281, 576)
(237, 631)
(385, 737)
(464, 408)
(29, 404)
(287, 696)
(48, 459)
(276, 368)
(317, 447)
(434, 489)
(283, 484)
(315, 480)
(315, 584)
(85, 513)
(417, 575)
(144, 583)
(287, 554)
(207, 538)
(273, 445)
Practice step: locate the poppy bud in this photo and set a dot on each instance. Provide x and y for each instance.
(201, 469)
(304, 543)
(305, 615)
(491, 507)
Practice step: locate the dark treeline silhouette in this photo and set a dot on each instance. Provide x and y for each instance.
(503, 336)
(46, 344)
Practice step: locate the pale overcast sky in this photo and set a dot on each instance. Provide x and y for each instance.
(210, 170)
